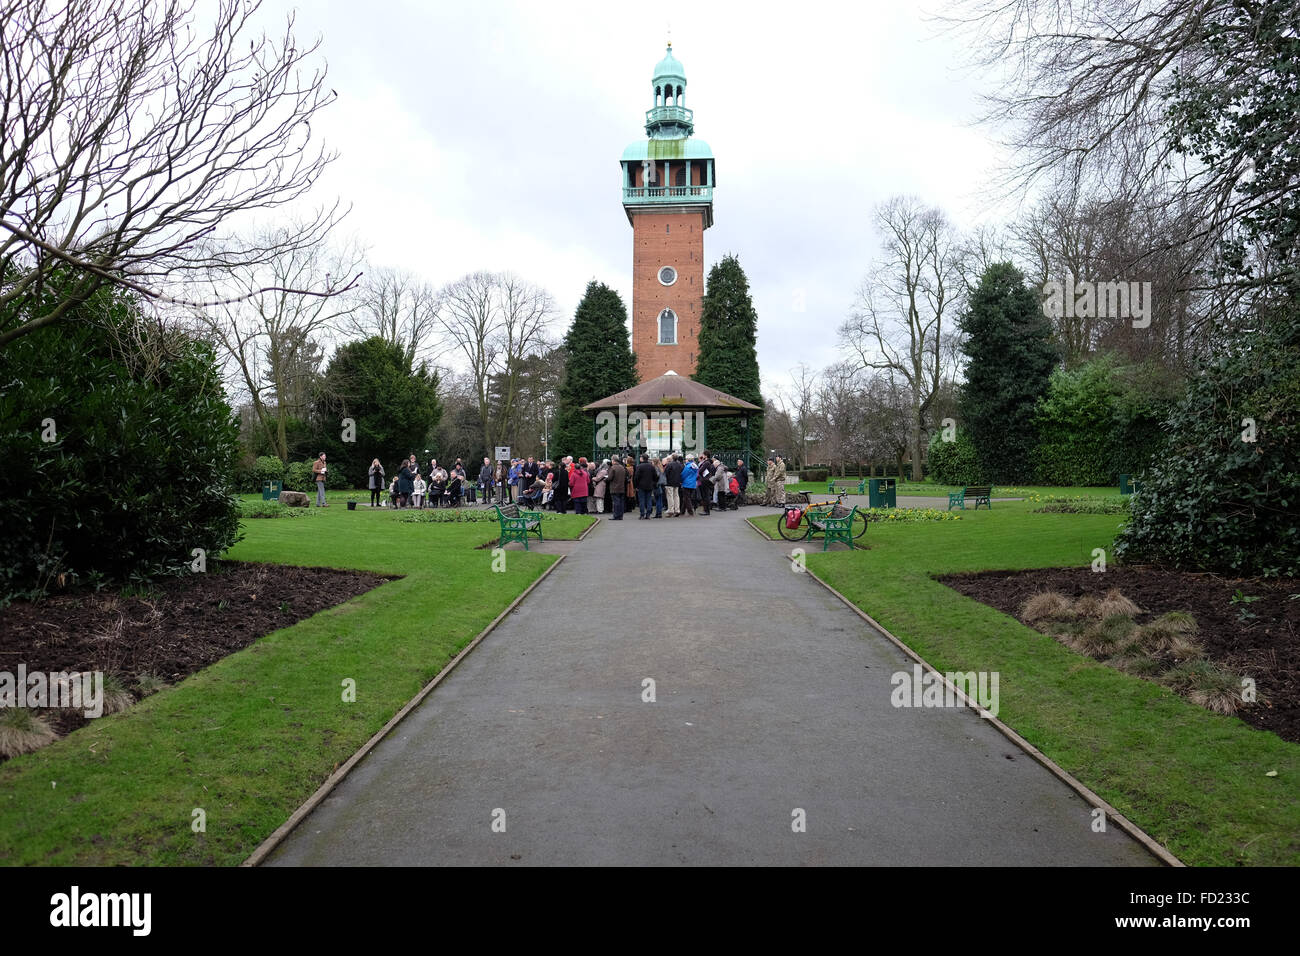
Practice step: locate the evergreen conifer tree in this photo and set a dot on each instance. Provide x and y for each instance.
(598, 362)
(1011, 356)
(728, 358)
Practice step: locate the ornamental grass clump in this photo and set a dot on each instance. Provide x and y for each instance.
(21, 732)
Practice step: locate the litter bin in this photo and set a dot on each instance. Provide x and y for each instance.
(271, 489)
(882, 493)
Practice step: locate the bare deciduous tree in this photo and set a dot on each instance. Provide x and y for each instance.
(400, 308)
(494, 321)
(843, 409)
(900, 323)
(133, 135)
(798, 403)
(1107, 241)
(272, 341)
(1092, 88)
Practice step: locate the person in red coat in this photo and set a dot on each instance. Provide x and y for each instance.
(579, 488)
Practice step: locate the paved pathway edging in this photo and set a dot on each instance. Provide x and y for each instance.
(1156, 848)
(539, 721)
(267, 846)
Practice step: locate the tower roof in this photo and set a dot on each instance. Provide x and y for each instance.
(659, 149)
(670, 68)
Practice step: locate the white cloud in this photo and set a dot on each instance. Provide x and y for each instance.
(487, 136)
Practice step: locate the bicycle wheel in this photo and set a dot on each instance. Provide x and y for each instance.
(859, 525)
(797, 533)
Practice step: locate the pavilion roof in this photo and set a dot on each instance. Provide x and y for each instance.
(672, 391)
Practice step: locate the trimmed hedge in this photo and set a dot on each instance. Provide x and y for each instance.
(954, 462)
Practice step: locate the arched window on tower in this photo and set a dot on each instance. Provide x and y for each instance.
(678, 99)
(659, 92)
(679, 175)
(667, 327)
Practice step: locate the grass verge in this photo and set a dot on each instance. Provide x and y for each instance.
(1194, 780)
(246, 740)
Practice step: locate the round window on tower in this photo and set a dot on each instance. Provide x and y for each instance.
(667, 275)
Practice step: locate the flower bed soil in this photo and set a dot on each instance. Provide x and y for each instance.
(180, 627)
(1257, 639)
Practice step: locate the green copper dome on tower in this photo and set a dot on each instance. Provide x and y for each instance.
(670, 119)
(670, 68)
(669, 168)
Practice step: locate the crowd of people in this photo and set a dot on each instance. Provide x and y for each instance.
(669, 485)
(672, 484)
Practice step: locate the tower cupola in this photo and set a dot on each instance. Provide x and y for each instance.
(669, 119)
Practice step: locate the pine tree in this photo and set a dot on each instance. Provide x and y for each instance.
(728, 357)
(598, 362)
(1011, 356)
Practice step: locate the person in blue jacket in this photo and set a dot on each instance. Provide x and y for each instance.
(690, 473)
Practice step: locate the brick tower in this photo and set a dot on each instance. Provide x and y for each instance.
(668, 181)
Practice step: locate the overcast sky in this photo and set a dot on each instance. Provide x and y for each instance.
(487, 136)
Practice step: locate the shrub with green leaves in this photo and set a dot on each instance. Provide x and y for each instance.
(298, 476)
(1225, 494)
(954, 462)
(266, 468)
(120, 450)
(1081, 505)
(906, 515)
(272, 509)
(1100, 420)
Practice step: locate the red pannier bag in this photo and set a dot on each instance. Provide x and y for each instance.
(792, 518)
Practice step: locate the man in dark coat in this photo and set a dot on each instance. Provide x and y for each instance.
(742, 479)
(617, 482)
(644, 480)
(561, 486)
(704, 481)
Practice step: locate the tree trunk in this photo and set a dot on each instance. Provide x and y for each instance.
(914, 451)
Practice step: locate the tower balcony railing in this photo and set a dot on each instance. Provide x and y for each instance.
(670, 114)
(636, 194)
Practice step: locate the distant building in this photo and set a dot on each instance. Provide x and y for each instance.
(668, 182)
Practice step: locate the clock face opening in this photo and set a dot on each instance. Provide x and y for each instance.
(667, 275)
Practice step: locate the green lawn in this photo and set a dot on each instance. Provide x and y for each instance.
(1192, 779)
(250, 738)
(927, 489)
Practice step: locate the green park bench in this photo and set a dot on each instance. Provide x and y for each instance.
(979, 493)
(860, 485)
(517, 525)
(833, 523)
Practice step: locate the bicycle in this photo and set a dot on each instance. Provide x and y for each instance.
(803, 528)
